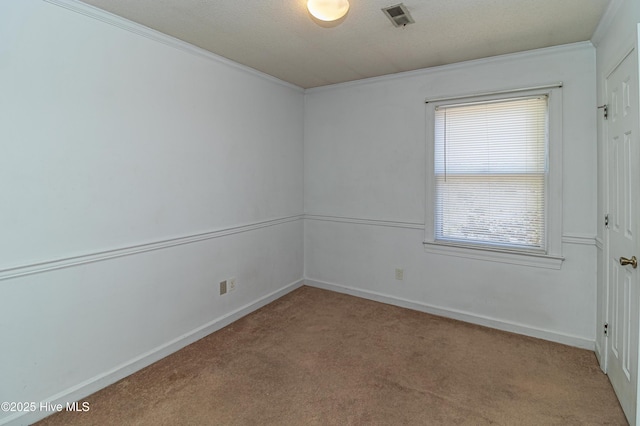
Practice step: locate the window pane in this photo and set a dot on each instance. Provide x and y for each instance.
(495, 209)
(490, 170)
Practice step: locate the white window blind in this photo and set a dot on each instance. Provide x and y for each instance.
(490, 173)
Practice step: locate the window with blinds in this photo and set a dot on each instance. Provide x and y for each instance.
(490, 165)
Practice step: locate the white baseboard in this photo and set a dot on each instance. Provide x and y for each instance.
(600, 357)
(553, 336)
(94, 384)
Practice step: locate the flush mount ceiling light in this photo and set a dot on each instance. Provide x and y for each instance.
(328, 10)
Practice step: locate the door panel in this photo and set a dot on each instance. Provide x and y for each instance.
(623, 178)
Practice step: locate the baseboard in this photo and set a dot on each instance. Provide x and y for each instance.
(553, 336)
(600, 357)
(88, 387)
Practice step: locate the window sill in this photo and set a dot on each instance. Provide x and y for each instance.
(535, 260)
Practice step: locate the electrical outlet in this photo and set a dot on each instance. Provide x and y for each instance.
(223, 287)
(232, 284)
(399, 274)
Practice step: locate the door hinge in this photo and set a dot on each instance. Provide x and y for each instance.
(606, 220)
(606, 110)
(606, 328)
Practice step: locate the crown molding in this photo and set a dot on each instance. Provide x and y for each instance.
(139, 29)
(563, 48)
(606, 21)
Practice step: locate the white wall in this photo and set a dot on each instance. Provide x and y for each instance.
(365, 194)
(136, 172)
(614, 38)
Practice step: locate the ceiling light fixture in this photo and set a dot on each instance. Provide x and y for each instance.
(328, 10)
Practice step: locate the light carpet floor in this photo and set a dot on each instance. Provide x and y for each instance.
(316, 357)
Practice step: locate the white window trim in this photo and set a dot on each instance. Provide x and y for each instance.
(552, 258)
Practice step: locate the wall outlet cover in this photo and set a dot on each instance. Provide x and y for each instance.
(399, 274)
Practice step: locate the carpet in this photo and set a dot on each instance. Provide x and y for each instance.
(315, 357)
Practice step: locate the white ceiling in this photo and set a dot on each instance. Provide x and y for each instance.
(279, 37)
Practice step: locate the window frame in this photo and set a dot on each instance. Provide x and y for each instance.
(552, 257)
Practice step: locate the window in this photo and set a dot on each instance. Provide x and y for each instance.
(490, 171)
(495, 177)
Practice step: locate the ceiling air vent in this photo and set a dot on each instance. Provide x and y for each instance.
(398, 14)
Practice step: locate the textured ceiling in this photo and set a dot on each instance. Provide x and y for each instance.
(279, 37)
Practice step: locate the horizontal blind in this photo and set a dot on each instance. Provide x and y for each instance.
(490, 172)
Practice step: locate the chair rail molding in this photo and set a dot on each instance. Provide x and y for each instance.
(67, 262)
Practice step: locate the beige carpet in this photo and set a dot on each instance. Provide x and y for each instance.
(316, 357)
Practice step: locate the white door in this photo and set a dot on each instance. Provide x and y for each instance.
(623, 162)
